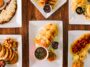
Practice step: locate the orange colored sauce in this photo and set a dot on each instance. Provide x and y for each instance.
(1, 3)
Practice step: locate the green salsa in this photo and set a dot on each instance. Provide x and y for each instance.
(40, 53)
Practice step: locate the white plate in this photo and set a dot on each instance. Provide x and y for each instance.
(16, 21)
(73, 35)
(34, 26)
(46, 15)
(19, 39)
(75, 18)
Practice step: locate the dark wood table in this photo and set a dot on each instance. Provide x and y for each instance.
(31, 13)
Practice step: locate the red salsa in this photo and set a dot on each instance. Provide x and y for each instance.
(80, 44)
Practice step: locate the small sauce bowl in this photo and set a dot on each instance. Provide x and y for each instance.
(41, 53)
(47, 8)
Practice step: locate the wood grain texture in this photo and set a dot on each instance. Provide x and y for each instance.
(29, 12)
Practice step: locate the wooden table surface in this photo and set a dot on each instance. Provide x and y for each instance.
(29, 12)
